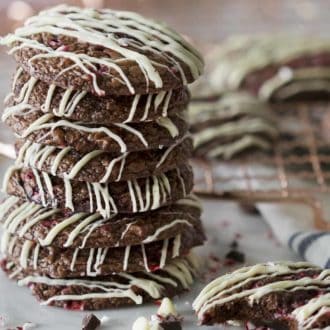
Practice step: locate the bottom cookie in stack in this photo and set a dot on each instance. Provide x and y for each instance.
(108, 291)
(60, 249)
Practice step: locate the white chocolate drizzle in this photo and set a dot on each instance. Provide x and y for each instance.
(239, 120)
(234, 129)
(25, 253)
(309, 313)
(181, 270)
(92, 27)
(155, 194)
(70, 100)
(240, 56)
(50, 122)
(35, 155)
(18, 220)
(173, 223)
(229, 287)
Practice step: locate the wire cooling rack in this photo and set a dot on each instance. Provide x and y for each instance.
(296, 170)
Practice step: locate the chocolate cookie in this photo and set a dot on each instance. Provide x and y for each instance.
(50, 130)
(233, 124)
(110, 291)
(75, 262)
(79, 49)
(58, 228)
(118, 197)
(85, 107)
(101, 166)
(273, 67)
(279, 295)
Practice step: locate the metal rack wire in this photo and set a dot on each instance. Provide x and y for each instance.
(296, 170)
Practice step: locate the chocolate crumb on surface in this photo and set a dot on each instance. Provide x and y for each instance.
(90, 322)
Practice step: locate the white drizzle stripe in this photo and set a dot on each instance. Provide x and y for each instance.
(145, 259)
(190, 200)
(83, 223)
(58, 160)
(25, 253)
(170, 149)
(44, 123)
(173, 223)
(132, 111)
(163, 254)
(40, 187)
(36, 256)
(5, 239)
(58, 228)
(311, 311)
(30, 153)
(126, 257)
(91, 26)
(82, 162)
(121, 158)
(176, 246)
(147, 107)
(183, 184)
(221, 290)
(71, 99)
(180, 270)
(168, 124)
(74, 259)
(68, 194)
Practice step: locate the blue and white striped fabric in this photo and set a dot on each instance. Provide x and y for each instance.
(313, 246)
(292, 225)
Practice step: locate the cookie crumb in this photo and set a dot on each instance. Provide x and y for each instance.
(90, 322)
(167, 316)
(28, 326)
(235, 256)
(167, 308)
(141, 323)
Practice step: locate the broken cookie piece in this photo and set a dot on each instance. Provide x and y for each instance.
(278, 295)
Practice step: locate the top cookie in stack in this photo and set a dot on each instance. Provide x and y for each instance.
(101, 185)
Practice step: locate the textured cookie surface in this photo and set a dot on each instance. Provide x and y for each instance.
(58, 228)
(231, 125)
(117, 197)
(110, 291)
(277, 295)
(81, 262)
(101, 166)
(47, 129)
(273, 67)
(85, 107)
(103, 51)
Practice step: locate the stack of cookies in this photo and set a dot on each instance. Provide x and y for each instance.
(100, 212)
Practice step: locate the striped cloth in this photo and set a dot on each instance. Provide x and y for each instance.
(292, 224)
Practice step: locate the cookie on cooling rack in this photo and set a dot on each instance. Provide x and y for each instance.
(103, 52)
(274, 68)
(232, 125)
(280, 295)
